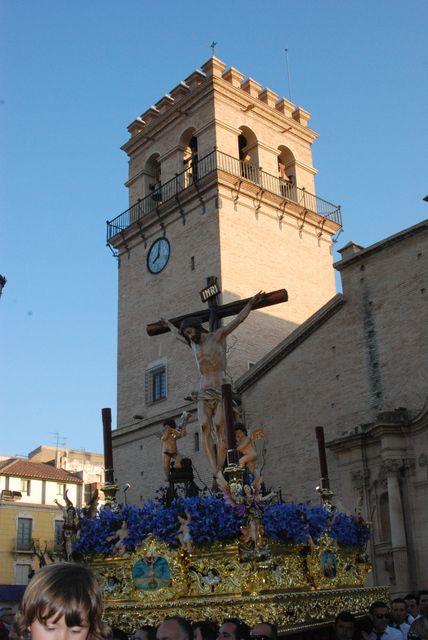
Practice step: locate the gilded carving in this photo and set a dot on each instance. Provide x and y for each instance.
(295, 586)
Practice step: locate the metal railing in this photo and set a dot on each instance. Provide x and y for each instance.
(219, 161)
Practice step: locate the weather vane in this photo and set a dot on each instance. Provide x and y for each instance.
(213, 46)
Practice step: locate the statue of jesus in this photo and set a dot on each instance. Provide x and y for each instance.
(209, 348)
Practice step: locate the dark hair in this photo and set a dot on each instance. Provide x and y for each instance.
(149, 630)
(424, 592)
(118, 634)
(242, 629)
(208, 629)
(169, 422)
(62, 589)
(191, 323)
(378, 605)
(273, 628)
(241, 426)
(410, 596)
(183, 624)
(399, 600)
(345, 616)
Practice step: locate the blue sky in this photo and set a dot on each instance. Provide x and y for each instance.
(75, 74)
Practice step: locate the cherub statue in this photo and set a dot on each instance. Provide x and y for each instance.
(183, 535)
(245, 446)
(171, 433)
(119, 535)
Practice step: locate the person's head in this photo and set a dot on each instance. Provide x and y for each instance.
(411, 601)
(205, 630)
(63, 597)
(191, 330)
(234, 629)
(264, 631)
(169, 422)
(174, 628)
(146, 632)
(418, 629)
(379, 615)
(344, 626)
(423, 602)
(398, 610)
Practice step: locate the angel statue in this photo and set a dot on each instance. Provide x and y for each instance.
(245, 446)
(172, 432)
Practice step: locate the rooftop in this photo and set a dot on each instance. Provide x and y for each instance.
(17, 467)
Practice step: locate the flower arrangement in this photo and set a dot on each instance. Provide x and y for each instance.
(214, 520)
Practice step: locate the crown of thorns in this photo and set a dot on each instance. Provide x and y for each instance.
(193, 323)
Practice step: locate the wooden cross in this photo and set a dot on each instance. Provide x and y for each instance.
(216, 312)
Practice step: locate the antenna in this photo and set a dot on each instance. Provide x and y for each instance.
(213, 46)
(288, 75)
(60, 441)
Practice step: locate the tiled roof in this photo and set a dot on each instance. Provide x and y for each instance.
(37, 470)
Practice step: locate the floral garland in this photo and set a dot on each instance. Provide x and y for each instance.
(213, 520)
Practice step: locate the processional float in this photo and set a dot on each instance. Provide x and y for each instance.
(234, 552)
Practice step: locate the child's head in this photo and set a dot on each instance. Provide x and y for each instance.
(62, 590)
(240, 430)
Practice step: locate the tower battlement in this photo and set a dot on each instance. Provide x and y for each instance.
(215, 68)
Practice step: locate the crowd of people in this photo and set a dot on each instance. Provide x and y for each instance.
(64, 602)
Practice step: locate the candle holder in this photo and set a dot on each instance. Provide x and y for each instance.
(235, 478)
(110, 489)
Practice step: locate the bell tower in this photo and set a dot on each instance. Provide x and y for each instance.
(221, 183)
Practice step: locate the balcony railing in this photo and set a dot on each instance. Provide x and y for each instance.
(219, 161)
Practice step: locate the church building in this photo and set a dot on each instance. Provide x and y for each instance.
(221, 190)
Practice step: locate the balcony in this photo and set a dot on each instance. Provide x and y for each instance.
(221, 162)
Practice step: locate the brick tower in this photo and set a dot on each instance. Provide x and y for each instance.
(221, 183)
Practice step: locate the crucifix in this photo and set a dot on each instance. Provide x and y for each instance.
(209, 348)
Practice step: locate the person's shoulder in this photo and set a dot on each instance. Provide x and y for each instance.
(394, 634)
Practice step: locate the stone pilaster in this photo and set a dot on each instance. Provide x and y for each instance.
(398, 533)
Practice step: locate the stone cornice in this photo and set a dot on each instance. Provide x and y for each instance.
(421, 227)
(297, 337)
(376, 431)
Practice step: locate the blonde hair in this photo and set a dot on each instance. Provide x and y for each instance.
(62, 589)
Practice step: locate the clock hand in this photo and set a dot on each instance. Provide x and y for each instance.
(158, 254)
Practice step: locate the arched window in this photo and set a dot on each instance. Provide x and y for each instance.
(153, 178)
(190, 157)
(248, 155)
(287, 173)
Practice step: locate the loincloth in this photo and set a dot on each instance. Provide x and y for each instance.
(209, 396)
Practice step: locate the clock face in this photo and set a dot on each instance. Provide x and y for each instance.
(158, 255)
